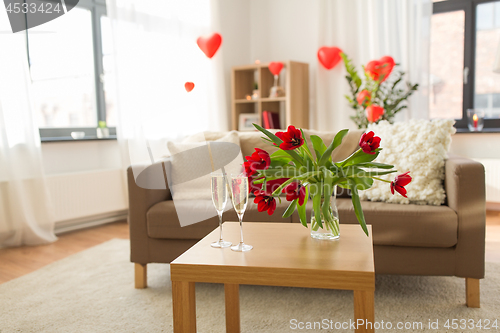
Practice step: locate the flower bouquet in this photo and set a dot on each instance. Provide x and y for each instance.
(295, 171)
(377, 98)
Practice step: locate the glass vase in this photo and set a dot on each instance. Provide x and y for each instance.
(329, 228)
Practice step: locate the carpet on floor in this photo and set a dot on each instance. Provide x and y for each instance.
(93, 291)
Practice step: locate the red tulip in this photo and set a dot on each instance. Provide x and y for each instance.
(369, 142)
(374, 113)
(379, 70)
(295, 190)
(399, 182)
(292, 138)
(265, 201)
(259, 160)
(364, 97)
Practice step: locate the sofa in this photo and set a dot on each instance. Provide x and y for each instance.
(446, 240)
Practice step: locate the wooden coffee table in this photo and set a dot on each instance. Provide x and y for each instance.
(283, 254)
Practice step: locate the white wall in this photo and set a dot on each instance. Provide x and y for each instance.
(234, 26)
(476, 145)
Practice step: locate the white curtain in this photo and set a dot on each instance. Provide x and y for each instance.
(25, 209)
(155, 54)
(367, 30)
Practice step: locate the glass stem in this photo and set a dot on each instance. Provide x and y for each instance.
(240, 217)
(220, 226)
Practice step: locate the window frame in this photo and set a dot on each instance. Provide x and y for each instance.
(97, 9)
(470, 10)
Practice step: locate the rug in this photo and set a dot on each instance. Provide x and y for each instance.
(93, 291)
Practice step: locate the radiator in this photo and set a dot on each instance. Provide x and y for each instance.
(492, 170)
(87, 197)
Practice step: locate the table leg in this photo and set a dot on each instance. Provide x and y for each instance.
(232, 294)
(184, 306)
(364, 310)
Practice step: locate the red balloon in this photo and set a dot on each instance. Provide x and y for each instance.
(275, 67)
(209, 45)
(329, 57)
(374, 113)
(189, 86)
(380, 69)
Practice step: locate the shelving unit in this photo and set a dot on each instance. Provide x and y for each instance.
(293, 107)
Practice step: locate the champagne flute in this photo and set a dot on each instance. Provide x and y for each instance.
(219, 198)
(239, 190)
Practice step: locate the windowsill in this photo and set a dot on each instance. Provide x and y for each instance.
(485, 130)
(70, 139)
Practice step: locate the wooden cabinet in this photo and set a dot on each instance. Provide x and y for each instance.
(293, 107)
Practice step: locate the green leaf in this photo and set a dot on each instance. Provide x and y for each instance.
(363, 158)
(279, 153)
(351, 69)
(362, 182)
(302, 210)
(375, 173)
(327, 190)
(287, 172)
(375, 165)
(318, 145)
(306, 144)
(317, 208)
(291, 208)
(282, 186)
(358, 210)
(335, 143)
(279, 162)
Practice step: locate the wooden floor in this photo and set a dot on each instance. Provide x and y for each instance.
(15, 262)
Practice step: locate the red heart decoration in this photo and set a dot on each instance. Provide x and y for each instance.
(275, 67)
(374, 113)
(209, 45)
(380, 69)
(329, 57)
(189, 86)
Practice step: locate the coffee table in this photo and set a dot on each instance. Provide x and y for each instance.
(283, 254)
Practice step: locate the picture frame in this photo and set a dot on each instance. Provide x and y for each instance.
(246, 120)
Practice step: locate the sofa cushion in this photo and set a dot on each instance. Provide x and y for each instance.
(183, 166)
(402, 225)
(162, 221)
(418, 146)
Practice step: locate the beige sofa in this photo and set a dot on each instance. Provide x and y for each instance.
(408, 239)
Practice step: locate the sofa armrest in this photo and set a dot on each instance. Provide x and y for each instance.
(148, 188)
(465, 190)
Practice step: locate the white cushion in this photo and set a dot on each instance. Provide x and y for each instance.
(418, 146)
(198, 188)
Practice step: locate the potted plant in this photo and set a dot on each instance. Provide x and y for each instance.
(302, 176)
(377, 98)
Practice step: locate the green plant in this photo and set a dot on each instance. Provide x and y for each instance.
(375, 93)
(301, 175)
(101, 124)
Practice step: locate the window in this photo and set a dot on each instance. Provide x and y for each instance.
(465, 36)
(70, 60)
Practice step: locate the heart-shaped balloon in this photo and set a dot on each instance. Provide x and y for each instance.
(374, 113)
(379, 70)
(209, 45)
(329, 57)
(189, 86)
(275, 67)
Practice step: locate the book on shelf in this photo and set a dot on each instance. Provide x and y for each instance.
(270, 120)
